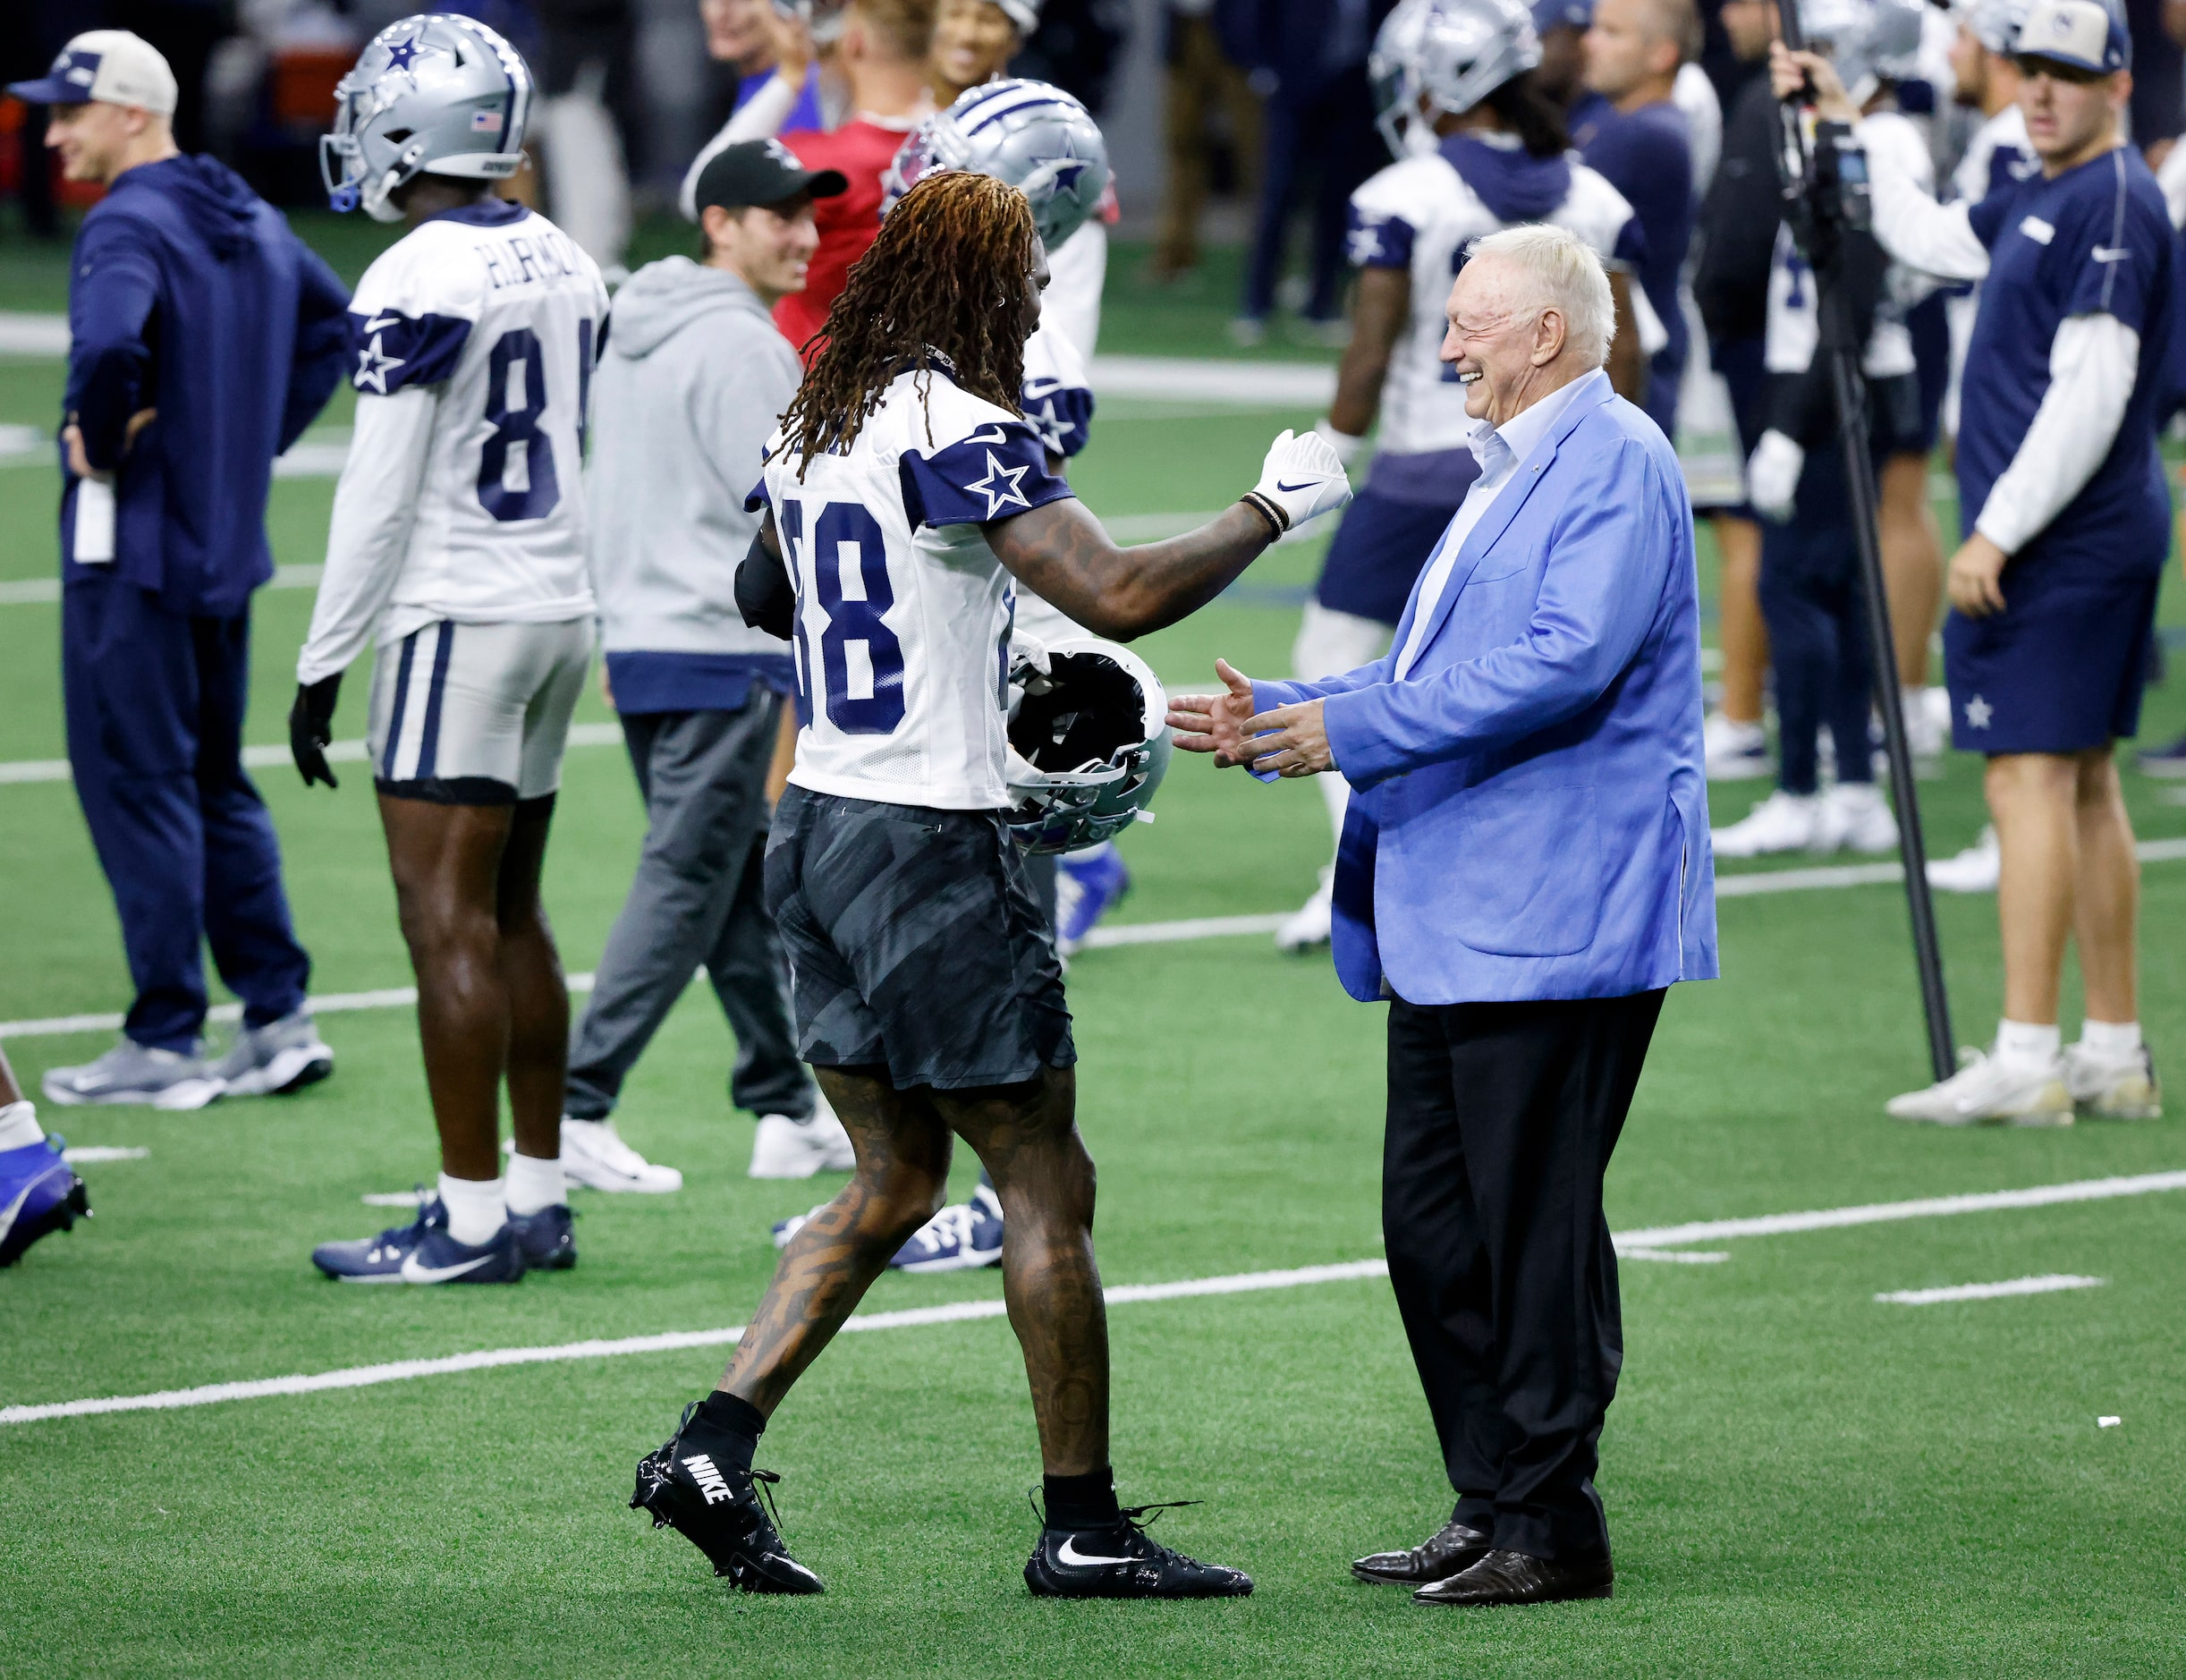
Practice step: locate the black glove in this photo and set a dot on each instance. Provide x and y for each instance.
(310, 726)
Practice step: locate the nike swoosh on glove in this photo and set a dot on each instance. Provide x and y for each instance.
(1304, 477)
(1772, 476)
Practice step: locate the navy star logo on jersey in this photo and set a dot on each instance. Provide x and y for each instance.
(999, 486)
(373, 366)
(400, 54)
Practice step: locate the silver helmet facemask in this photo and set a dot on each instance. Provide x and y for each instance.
(1088, 742)
(433, 94)
(1442, 57)
(1031, 135)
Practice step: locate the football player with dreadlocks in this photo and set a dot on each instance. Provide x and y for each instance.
(903, 495)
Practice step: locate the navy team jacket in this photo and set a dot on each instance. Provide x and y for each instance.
(188, 294)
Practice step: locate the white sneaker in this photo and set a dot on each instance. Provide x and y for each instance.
(1988, 1091)
(593, 1154)
(1734, 752)
(784, 1148)
(2110, 1088)
(133, 1073)
(1783, 822)
(1973, 870)
(1309, 923)
(1926, 735)
(1854, 816)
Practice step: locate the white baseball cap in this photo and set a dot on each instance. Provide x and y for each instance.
(2081, 33)
(111, 66)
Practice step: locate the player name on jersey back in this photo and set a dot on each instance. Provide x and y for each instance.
(904, 614)
(498, 312)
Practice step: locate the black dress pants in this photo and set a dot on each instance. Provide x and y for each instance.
(1502, 1118)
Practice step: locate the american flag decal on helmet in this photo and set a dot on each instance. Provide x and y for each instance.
(486, 122)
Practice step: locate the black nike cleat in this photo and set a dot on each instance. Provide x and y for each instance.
(1120, 1562)
(719, 1511)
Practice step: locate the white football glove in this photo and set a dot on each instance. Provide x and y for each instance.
(1772, 476)
(1303, 478)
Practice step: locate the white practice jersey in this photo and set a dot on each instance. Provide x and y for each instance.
(462, 497)
(1420, 214)
(1794, 329)
(1997, 156)
(1057, 400)
(1077, 271)
(904, 614)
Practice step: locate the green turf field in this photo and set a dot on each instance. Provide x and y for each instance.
(1801, 1480)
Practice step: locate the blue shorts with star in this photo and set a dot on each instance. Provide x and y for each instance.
(2060, 670)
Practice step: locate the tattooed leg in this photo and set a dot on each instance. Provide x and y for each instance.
(902, 1172)
(1027, 1137)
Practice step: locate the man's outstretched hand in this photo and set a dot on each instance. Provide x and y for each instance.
(310, 728)
(1288, 741)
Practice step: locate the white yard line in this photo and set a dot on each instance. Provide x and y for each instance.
(2042, 1286)
(269, 757)
(1630, 1245)
(98, 1152)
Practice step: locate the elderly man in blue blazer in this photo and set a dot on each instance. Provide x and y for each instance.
(1524, 871)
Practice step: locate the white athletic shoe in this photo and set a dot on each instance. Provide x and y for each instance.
(1987, 1091)
(1854, 816)
(1783, 822)
(1735, 751)
(269, 1061)
(1926, 731)
(133, 1073)
(1309, 923)
(784, 1148)
(593, 1154)
(1973, 870)
(2109, 1088)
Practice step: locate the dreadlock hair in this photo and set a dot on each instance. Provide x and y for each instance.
(945, 281)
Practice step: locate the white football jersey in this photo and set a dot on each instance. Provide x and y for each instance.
(904, 614)
(1420, 213)
(1057, 396)
(496, 312)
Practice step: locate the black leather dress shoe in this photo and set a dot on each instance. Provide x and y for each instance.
(1502, 1577)
(1455, 1548)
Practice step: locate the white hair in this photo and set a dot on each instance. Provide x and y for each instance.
(1569, 279)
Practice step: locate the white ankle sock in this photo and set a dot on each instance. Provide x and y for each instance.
(2113, 1041)
(19, 1127)
(534, 1183)
(476, 1208)
(2023, 1043)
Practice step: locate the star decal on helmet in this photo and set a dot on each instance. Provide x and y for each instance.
(401, 55)
(1000, 485)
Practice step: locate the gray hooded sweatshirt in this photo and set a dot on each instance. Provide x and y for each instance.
(685, 397)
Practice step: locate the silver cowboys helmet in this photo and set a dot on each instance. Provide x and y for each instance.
(1451, 53)
(434, 93)
(1032, 135)
(1877, 41)
(1088, 742)
(1995, 23)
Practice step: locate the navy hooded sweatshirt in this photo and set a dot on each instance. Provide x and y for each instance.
(188, 294)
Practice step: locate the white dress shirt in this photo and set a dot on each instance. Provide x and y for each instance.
(1498, 449)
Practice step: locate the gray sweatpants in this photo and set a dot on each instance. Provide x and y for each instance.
(696, 899)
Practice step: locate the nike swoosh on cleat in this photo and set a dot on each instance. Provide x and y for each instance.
(413, 1273)
(1068, 1553)
(1308, 484)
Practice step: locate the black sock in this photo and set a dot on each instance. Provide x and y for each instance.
(726, 1429)
(1082, 1502)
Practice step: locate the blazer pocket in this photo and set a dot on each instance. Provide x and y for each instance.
(1528, 873)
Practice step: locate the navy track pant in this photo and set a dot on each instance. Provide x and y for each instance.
(1816, 631)
(154, 708)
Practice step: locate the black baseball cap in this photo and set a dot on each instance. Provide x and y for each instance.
(761, 172)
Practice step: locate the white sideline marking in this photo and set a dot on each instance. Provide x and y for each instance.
(269, 756)
(1683, 1256)
(1170, 932)
(22, 334)
(327, 1004)
(673, 1341)
(1882, 1212)
(1237, 1283)
(103, 1152)
(2043, 1286)
(397, 1198)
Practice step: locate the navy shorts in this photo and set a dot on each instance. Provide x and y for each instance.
(1385, 543)
(1930, 328)
(2060, 670)
(914, 942)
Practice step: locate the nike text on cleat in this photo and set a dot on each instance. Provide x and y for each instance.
(38, 1195)
(1120, 1562)
(440, 1259)
(719, 1511)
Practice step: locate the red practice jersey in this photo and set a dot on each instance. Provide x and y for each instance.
(849, 222)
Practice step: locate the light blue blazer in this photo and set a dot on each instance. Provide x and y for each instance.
(1529, 814)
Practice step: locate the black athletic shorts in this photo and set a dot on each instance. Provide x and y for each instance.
(914, 940)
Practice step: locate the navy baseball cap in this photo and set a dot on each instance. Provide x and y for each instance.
(2081, 34)
(1562, 14)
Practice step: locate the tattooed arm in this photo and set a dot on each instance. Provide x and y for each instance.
(1063, 555)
